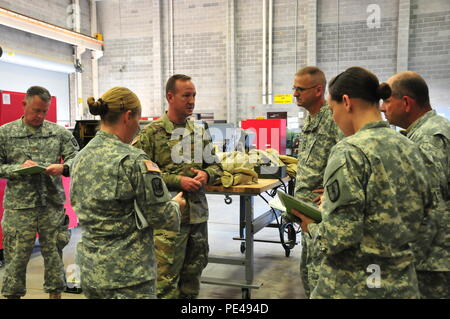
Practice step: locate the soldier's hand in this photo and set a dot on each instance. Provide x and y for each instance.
(305, 220)
(318, 199)
(54, 169)
(189, 184)
(201, 176)
(180, 200)
(28, 163)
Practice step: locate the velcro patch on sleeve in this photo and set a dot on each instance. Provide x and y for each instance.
(152, 167)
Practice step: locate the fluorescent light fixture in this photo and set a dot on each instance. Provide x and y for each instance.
(35, 62)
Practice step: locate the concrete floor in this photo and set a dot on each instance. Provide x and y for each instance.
(279, 274)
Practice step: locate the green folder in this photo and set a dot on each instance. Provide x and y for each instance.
(30, 170)
(306, 209)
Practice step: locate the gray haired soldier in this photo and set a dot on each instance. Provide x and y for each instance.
(318, 136)
(409, 108)
(34, 203)
(376, 196)
(182, 256)
(120, 197)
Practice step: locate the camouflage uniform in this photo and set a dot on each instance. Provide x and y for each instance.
(33, 203)
(432, 133)
(376, 193)
(181, 256)
(116, 258)
(319, 135)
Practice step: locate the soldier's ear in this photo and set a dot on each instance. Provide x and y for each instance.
(170, 96)
(407, 103)
(347, 103)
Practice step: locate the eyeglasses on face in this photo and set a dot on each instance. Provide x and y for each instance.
(300, 89)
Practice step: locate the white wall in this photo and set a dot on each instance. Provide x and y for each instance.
(14, 77)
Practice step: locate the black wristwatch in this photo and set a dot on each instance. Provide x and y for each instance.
(66, 171)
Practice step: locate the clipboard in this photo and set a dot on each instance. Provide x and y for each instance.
(32, 170)
(306, 209)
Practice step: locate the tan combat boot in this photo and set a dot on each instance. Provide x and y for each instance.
(54, 295)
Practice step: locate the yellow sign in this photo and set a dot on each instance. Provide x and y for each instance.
(80, 100)
(282, 99)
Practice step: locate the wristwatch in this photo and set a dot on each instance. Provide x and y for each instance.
(66, 170)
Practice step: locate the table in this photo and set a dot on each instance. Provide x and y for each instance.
(248, 226)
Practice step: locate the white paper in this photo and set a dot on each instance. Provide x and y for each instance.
(6, 98)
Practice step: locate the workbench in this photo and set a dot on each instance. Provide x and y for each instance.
(248, 227)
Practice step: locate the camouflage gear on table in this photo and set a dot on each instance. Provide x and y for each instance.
(108, 178)
(431, 133)
(434, 284)
(161, 142)
(171, 256)
(145, 290)
(367, 227)
(318, 136)
(33, 203)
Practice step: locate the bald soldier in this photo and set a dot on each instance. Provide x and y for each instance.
(318, 136)
(409, 108)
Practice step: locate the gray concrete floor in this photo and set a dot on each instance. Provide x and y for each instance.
(279, 274)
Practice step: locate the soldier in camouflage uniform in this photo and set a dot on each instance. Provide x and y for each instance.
(119, 197)
(185, 155)
(318, 136)
(34, 203)
(376, 195)
(409, 108)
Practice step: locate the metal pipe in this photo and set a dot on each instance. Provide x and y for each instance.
(95, 57)
(231, 64)
(270, 66)
(77, 58)
(171, 50)
(264, 55)
(295, 34)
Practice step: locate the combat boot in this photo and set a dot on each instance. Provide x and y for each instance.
(54, 295)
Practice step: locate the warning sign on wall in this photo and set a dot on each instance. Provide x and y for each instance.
(282, 99)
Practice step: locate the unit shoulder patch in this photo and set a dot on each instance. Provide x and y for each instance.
(157, 186)
(333, 191)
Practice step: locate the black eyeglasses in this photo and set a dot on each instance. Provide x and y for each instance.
(300, 89)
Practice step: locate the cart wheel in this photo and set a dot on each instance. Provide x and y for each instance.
(228, 200)
(287, 252)
(242, 247)
(288, 244)
(246, 293)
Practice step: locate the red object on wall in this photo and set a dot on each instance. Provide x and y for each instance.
(270, 133)
(11, 109)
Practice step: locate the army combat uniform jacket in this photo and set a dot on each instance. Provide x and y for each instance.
(176, 151)
(108, 178)
(431, 133)
(318, 136)
(375, 193)
(46, 146)
(320, 133)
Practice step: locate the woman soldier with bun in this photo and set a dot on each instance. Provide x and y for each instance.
(119, 197)
(375, 198)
